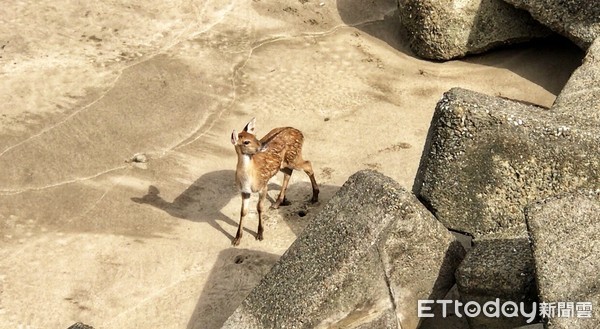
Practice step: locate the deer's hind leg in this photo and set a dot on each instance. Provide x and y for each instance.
(281, 199)
(306, 166)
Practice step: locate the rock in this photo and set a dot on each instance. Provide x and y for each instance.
(139, 158)
(443, 30)
(498, 269)
(364, 261)
(532, 326)
(80, 325)
(565, 231)
(445, 317)
(577, 20)
(486, 158)
(580, 98)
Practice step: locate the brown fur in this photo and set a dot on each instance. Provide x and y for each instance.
(260, 160)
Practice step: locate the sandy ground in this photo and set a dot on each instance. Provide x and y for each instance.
(86, 235)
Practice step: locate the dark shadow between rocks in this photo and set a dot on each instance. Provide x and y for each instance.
(532, 61)
(527, 57)
(235, 273)
(446, 282)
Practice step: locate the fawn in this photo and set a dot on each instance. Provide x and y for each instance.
(259, 160)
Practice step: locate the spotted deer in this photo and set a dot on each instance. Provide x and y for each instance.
(259, 160)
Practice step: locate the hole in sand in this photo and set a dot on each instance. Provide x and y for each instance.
(302, 213)
(238, 259)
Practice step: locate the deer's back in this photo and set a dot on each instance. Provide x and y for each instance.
(284, 142)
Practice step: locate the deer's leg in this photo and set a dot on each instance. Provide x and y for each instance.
(307, 167)
(262, 195)
(281, 200)
(243, 213)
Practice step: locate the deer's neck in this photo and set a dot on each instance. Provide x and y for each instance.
(244, 161)
(244, 172)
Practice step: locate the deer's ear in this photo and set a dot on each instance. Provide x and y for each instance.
(234, 137)
(250, 126)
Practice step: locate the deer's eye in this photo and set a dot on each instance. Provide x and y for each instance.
(246, 142)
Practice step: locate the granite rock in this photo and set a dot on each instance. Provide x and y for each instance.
(363, 261)
(498, 269)
(565, 233)
(577, 20)
(447, 29)
(487, 158)
(579, 100)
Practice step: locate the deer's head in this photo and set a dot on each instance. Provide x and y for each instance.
(246, 142)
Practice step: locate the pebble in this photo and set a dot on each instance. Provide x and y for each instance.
(139, 158)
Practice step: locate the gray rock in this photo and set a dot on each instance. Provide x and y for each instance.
(445, 317)
(532, 326)
(566, 246)
(447, 29)
(363, 262)
(498, 269)
(580, 98)
(486, 158)
(80, 325)
(577, 20)
(139, 158)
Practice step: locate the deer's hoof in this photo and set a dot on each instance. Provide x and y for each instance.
(259, 236)
(315, 196)
(236, 241)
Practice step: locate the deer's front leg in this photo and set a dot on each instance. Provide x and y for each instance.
(262, 195)
(243, 212)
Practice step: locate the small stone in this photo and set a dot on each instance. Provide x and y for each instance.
(80, 325)
(139, 158)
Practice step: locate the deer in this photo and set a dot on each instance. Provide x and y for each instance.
(259, 160)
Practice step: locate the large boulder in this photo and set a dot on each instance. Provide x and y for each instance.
(580, 98)
(486, 158)
(446, 29)
(566, 245)
(577, 20)
(503, 270)
(363, 262)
